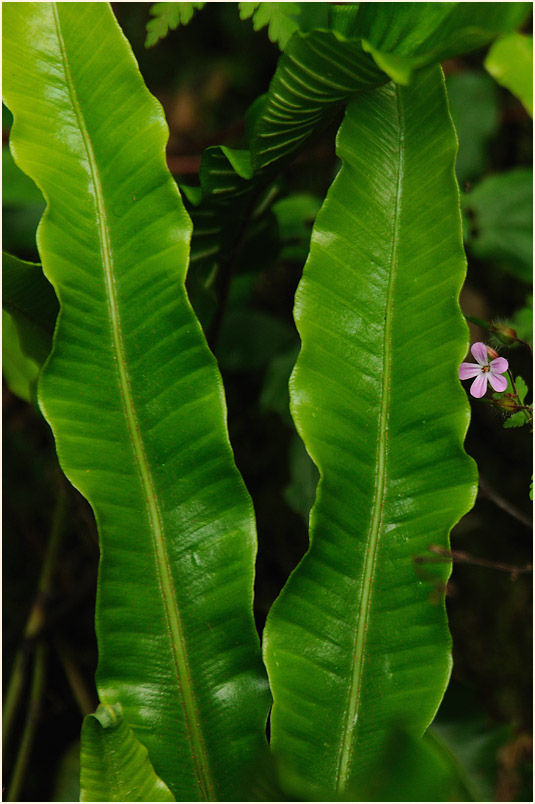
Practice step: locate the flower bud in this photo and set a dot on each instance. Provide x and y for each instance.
(507, 402)
(503, 333)
(492, 353)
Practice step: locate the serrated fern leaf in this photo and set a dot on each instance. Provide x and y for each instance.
(516, 420)
(521, 389)
(279, 17)
(168, 16)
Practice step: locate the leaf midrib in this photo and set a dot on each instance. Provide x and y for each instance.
(363, 609)
(170, 603)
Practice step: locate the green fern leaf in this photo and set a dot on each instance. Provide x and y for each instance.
(279, 17)
(168, 16)
(521, 389)
(516, 420)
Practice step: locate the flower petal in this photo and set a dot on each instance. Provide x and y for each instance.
(479, 386)
(498, 382)
(499, 365)
(469, 370)
(479, 351)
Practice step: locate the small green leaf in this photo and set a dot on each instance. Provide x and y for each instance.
(279, 17)
(508, 390)
(115, 765)
(521, 389)
(516, 420)
(168, 16)
(510, 62)
(247, 10)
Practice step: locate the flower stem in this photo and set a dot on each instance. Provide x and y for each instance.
(480, 322)
(525, 343)
(513, 386)
(526, 409)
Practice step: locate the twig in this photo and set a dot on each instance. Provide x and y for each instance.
(13, 693)
(30, 723)
(460, 557)
(83, 696)
(502, 503)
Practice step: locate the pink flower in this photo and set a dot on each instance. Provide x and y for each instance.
(483, 371)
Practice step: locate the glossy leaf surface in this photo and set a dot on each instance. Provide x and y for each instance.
(354, 641)
(136, 403)
(316, 73)
(115, 765)
(403, 37)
